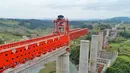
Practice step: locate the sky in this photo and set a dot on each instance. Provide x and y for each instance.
(71, 9)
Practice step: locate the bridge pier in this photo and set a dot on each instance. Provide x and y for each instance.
(84, 53)
(62, 63)
(100, 41)
(107, 32)
(93, 54)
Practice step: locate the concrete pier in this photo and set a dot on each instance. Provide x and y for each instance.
(107, 32)
(62, 64)
(93, 53)
(100, 41)
(84, 53)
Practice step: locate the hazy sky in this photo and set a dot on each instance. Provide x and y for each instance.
(73, 9)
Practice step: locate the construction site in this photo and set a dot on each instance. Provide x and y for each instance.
(28, 55)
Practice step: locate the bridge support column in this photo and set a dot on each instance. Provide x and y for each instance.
(100, 41)
(62, 64)
(93, 54)
(107, 32)
(84, 53)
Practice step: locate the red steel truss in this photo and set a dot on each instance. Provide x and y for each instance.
(19, 52)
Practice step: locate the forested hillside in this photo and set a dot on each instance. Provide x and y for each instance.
(14, 29)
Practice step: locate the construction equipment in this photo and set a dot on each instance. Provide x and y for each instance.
(61, 25)
(20, 52)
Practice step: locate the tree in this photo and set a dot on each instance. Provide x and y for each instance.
(119, 66)
(74, 55)
(1, 41)
(52, 72)
(111, 70)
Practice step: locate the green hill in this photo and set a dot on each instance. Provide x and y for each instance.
(13, 29)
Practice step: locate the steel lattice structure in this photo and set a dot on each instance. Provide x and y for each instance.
(19, 52)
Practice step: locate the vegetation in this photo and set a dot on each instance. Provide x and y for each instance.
(102, 26)
(14, 29)
(125, 58)
(121, 65)
(125, 34)
(122, 45)
(50, 68)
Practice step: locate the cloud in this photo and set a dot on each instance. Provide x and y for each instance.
(71, 8)
(116, 6)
